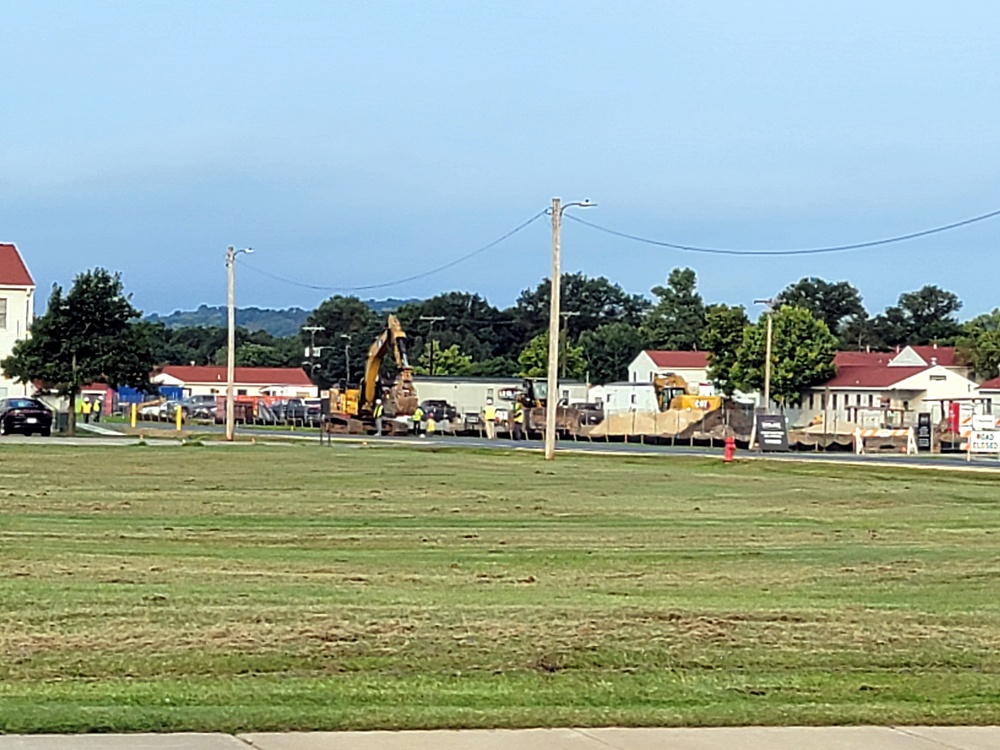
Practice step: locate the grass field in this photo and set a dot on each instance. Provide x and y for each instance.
(262, 588)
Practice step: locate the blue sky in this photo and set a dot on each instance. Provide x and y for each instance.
(359, 143)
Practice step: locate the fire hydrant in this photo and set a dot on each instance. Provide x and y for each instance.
(730, 451)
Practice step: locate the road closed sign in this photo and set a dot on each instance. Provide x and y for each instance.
(984, 441)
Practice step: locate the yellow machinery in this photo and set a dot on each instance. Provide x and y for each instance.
(400, 400)
(673, 392)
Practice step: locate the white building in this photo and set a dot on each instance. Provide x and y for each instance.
(619, 398)
(874, 389)
(17, 311)
(210, 380)
(648, 364)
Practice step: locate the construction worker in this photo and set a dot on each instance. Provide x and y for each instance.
(490, 419)
(418, 417)
(377, 413)
(97, 409)
(85, 410)
(518, 420)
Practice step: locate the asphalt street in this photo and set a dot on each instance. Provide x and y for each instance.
(164, 434)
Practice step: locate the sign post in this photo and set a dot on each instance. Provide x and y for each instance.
(772, 433)
(983, 441)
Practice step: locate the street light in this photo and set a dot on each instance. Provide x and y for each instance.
(347, 357)
(231, 254)
(552, 397)
(767, 352)
(312, 354)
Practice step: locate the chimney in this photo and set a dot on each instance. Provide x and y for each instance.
(934, 360)
(935, 344)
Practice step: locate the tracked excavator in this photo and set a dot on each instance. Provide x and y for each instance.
(673, 392)
(352, 408)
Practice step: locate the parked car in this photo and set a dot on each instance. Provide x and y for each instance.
(200, 407)
(439, 410)
(291, 410)
(25, 415)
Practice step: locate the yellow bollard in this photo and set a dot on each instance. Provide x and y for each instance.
(132, 413)
(179, 418)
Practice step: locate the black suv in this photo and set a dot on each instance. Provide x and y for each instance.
(439, 411)
(25, 415)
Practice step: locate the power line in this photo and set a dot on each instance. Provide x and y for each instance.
(808, 251)
(397, 282)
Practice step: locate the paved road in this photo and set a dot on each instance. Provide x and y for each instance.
(166, 433)
(744, 738)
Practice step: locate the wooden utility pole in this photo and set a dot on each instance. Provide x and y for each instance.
(430, 336)
(552, 391)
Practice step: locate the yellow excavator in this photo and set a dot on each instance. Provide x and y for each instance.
(673, 392)
(352, 409)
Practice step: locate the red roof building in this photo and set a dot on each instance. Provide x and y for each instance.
(17, 310)
(13, 272)
(248, 381)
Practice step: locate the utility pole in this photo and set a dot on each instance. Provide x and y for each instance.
(347, 356)
(312, 354)
(231, 254)
(432, 319)
(565, 337)
(552, 389)
(767, 352)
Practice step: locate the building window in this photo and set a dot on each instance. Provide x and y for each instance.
(489, 393)
(871, 400)
(833, 402)
(939, 378)
(241, 391)
(3, 313)
(810, 401)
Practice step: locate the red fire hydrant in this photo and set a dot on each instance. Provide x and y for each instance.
(730, 450)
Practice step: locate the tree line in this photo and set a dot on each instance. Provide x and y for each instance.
(94, 333)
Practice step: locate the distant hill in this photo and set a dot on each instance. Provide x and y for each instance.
(275, 322)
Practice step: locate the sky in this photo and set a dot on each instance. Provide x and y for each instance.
(354, 145)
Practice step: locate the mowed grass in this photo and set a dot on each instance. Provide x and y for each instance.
(268, 588)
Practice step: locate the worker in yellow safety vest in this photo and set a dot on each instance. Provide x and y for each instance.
(490, 419)
(418, 418)
(377, 413)
(518, 421)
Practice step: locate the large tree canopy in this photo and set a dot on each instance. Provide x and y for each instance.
(802, 353)
(925, 316)
(590, 302)
(534, 359)
(678, 318)
(833, 303)
(89, 335)
(609, 351)
(722, 339)
(480, 330)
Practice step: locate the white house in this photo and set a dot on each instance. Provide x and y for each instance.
(198, 380)
(874, 389)
(17, 311)
(648, 364)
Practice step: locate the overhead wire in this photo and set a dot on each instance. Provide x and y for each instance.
(397, 282)
(805, 251)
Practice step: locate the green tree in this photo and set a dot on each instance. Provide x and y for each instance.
(979, 344)
(721, 339)
(495, 367)
(89, 335)
(448, 361)
(534, 359)
(349, 328)
(595, 302)
(925, 316)
(479, 329)
(832, 303)
(609, 351)
(677, 319)
(802, 355)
